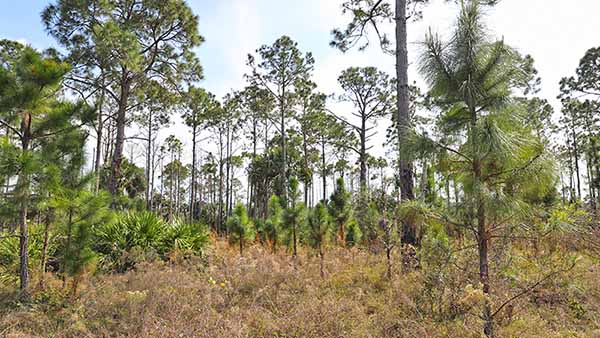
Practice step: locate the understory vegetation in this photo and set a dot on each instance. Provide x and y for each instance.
(262, 294)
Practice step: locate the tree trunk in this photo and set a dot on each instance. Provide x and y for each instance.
(306, 171)
(363, 156)
(483, 243)
(44, 251)
(322, 261)
(23, 189)
(324, 165)
(152, 175)
(99, 130)
(220, 208)
(227, 170)
(193, 185)
(148, 162)
(284, 181)
(388, 255)
(120, 140)
(68, 246)
(251, 181)
(576, 161)
(295, 254)
(403, 104)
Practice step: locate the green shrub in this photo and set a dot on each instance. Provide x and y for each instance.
(188, 237)
(9, 253)
(134, 236)
(240, 227)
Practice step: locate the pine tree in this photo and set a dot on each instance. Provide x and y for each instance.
(340, 210)
(472, 79)
(29, 84)
(318, 232)
(240, 227)
(281, 67)
(115, 36)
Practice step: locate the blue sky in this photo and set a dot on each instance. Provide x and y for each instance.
(555, 32)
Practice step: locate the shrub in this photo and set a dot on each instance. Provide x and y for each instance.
(188, 237)
(240, 227)
(145, 234)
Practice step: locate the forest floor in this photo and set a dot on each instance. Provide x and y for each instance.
(269, 295)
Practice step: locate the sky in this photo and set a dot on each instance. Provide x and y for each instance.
(556, 33)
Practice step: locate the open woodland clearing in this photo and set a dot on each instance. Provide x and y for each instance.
(448, 197)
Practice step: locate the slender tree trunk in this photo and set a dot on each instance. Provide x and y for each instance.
(227, 169)
(148, 162)
(23, 194)
(251, 181)
(193, 185)
(388, 255)
(483, 238)
(120, 140)
(306, 176)
(403, 104)
(363, 157)
(45, 251)
(284, 180)
(576, 161)
(171, 190)
(483, 243)
(295, 250)
(68, 245)
(322, 261)
(221, 173)
(231, 176)
(152, 176)
(99, 131)
(324, 166)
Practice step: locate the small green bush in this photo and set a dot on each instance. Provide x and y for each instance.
(145, 234)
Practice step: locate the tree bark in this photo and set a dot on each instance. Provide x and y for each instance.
(120, 139)
(99, 132)
(284, 181)
(324, 165)
(220, 208)
(576, 160)
(148, 162)
(23, 187)
(403, 104)
(322, 261)
(45, 251)
(363, 155)
(193, 185)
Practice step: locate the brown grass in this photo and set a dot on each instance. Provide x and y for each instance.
(267, 295)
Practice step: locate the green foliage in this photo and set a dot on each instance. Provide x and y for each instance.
(318, 227)
(269, 230)
(340, 209)
(368, 217)
(147, 234)
(79, 254)
(240, 227)
(115, 240)
(353, 233)
(293, 217)
(9, 253)
(191, 238)
(80, 212)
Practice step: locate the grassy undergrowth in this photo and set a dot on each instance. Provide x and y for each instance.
(270, 295)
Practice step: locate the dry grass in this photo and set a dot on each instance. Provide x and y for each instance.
(267, 295)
